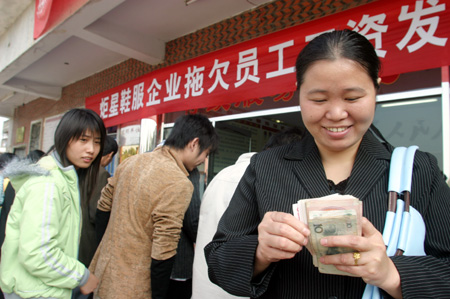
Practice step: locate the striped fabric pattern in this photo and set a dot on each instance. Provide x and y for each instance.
(279, 177)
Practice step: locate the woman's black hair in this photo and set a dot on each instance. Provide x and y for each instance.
(35, 155)
(339, 44)
(110, 146)
(189, 127)
(289, 135)
(72, 126)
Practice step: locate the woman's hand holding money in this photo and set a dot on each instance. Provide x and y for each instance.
(373, 264)
(280, 236)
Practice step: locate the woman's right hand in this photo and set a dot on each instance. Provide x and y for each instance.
(280, 236)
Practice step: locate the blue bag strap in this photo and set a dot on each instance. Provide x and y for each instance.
(397, 224)
(394, 187)
(407, 170)
(407, 173)
(396, 228)
(396, 169)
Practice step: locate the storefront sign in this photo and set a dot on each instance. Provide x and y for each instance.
(408, 35)
(49, 13)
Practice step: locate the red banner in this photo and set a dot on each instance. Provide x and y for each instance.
(408, 35)
(49, 13)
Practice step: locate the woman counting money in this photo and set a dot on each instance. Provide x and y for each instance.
(259, 248)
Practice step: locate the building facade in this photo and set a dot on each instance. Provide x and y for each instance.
(239, 72)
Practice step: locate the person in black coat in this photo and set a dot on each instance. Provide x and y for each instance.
(258, 249)
(180, 286)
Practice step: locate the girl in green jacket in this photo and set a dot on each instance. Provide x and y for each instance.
(39, 255)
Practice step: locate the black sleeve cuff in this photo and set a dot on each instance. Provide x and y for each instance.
(101, 222)
(160, 277)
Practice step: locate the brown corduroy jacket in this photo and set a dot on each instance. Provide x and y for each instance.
(150, 193)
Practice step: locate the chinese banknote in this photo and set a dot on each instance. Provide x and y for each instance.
(332, 215)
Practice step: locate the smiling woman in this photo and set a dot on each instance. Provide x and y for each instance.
(44, 220)
(337, 100)
(258, 249)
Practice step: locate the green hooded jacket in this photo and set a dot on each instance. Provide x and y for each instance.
(39, 255)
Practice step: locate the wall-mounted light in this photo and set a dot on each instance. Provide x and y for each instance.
(187, 2)
(404, 103)
(8, 96)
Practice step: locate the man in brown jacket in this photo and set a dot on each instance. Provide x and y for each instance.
(150, 193)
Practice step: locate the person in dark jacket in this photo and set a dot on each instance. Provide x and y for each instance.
(6, 198)
(258, 249)
(180, 286)
(101, 219)
(90, 236)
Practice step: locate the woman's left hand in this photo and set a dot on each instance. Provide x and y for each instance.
(373, 264)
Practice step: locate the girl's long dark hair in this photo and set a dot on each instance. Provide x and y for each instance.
(73, 124)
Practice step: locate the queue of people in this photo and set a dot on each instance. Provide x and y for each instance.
(72, 231)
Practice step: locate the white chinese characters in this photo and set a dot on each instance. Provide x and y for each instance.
(257, 65)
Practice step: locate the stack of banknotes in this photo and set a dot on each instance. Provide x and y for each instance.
(332, 215)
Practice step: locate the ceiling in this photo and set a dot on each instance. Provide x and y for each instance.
(101, 34)
(9, 11)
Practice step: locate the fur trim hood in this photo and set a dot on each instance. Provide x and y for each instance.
(20, 170)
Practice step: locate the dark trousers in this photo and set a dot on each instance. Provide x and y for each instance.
(180, 289)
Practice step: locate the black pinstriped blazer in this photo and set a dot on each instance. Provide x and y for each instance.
(277, 178)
